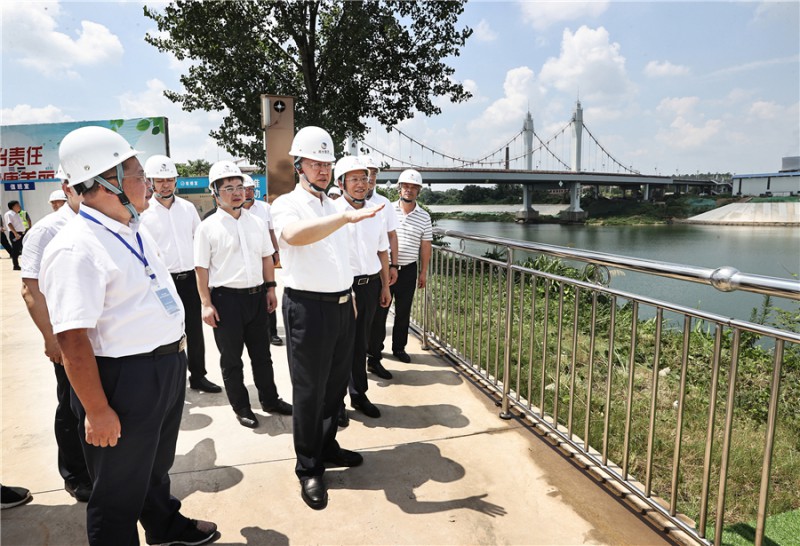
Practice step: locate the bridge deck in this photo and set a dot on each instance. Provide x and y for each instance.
(440, 466)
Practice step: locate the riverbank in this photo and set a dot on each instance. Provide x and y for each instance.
(741, 214)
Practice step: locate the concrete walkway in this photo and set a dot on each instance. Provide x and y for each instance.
(439, 466)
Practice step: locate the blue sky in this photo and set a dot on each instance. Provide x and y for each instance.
(666, 87)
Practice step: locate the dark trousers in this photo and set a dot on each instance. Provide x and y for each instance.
(319, 347)
(131, 480)
(244, 322)
(186, 285)
(4, 242)
(273, 324)
(16, 250)
(403, 294)
(367, 303)
(71, 462)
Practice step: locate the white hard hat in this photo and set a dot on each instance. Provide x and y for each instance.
(90, 151)
(160, 166)
(57, 195)
(60, 174)
(370, 162)
(334, 190)
(248, 181)
(410, 176)
(313, 143)
(223, 169)
(348, 163)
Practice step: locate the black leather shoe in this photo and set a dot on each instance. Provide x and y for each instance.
(366, 407)
(378, 369)
(196, 533)
(275, 340)
(80, 491)
(314, 492)
(284, 408)
(402, 356)
(247, 419)
(344, 419)
(203, 385)
(345, 457)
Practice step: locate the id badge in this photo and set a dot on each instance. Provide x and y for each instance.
(167, 301)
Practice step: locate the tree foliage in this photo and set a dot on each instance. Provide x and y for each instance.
(344, 62)
(194, 167)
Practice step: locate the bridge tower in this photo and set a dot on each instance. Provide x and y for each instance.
(526, 213)
(575, 213)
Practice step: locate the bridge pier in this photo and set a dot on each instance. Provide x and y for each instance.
(574, 213)
(526, 214)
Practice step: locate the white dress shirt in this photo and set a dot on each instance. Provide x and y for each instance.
(39, 236)
(13, 218)
(262, 210)
(388, 211)
(367, 238)
(232, 249)
(323, 266)
(91, 280)
(173, 231)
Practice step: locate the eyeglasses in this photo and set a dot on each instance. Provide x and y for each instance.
(317, 166)
(357, 180)
(232, 189)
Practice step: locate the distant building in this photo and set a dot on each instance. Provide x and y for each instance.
(784, 182)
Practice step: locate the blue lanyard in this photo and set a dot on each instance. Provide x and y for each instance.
(141, 256)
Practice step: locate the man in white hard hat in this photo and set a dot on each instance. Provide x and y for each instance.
(369, 259)
(318, 311)
(71, 461)
(414, 238)
(262, 210)
(119, 322)
(57, 199)
(172, 222)
(236, 282)
(334, 193)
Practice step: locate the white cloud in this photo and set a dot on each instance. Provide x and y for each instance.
(765, 110)
(542, 15)
(660, 69)
(589, 64)
(681, 106)
(683, 135)
(483, 32)
(519, 89)
(29, 30)
(24, 114)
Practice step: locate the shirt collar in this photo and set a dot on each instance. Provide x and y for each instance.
(109, 223)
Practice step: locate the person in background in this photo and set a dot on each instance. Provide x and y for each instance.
(57, 199)
(119, 322)
(334, 193)
(16, 231)
(172, 223)
(71, 460)
(236, 282)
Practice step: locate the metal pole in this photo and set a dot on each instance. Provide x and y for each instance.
(504, 413)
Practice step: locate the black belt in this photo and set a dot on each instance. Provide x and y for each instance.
(182, 276)
(251, 290)
(334, 297)
(365, 279)
(168, 349)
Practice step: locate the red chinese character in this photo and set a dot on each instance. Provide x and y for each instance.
(47, 174)
(34, 155)
(3, 157)
(27, 175)
(10, 176)
(16, 156)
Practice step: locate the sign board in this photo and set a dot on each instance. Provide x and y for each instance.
(278, 124)
(19, 186)
(199, 184)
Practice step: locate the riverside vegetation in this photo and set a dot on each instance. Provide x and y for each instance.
(466, 311)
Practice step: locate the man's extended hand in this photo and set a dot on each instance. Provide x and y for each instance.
(356, 215)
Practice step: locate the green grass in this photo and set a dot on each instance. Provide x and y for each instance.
(781, 530)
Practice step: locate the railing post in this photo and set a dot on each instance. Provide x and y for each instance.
(425, 346)
(504, 413)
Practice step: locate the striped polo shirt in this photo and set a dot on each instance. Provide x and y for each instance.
(412, 229)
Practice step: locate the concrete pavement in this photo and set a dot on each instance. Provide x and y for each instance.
(439, 466)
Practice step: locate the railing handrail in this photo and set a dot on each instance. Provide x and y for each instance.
(725, 279)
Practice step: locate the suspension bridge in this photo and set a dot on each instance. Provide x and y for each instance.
(558, 162)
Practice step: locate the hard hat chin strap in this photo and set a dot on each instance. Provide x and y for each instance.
(313, 186)
(118, 192)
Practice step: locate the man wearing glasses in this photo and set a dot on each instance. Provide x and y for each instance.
(236, 282)
(318, 310)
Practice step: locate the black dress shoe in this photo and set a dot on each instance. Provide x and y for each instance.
(344, 419)
(284, 408)
(247, 419)
(81, 491)
(366, 407)
(345, 457)
(378, 369)
(314, 492)
(402, 356)
(203, 385)
(275, 340)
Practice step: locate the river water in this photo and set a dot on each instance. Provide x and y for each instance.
(771, 251)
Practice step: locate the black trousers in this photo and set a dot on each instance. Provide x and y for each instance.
(186, 285)
(403, 294)
(71, 461)
(244, 322)
(16, 250)
(131, 480)
(319, 347)
(367, 302)
(273, 324)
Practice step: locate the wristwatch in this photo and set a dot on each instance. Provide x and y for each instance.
(270, 284)
(394, 266)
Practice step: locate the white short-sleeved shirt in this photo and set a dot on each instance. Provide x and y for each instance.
(91, 280)
(367, 238)
(388, 213)
(262, 210)
(323, 266)
(412, 228)
(232, 250)
(173, 231)
(39, 236)
(13, 218)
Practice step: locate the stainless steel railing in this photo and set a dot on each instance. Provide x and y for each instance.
(647, 400)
